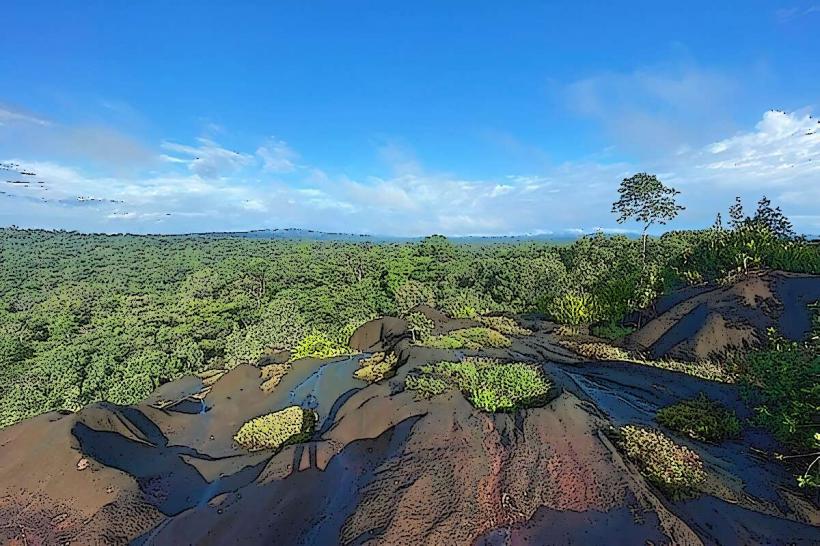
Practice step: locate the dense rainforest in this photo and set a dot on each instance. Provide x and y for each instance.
(110, 317)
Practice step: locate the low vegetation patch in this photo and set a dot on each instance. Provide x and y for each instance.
(318, 345)
(611, 331)
(675, 469)
(425, 385)
(701, 418)
(504, 325)
(377, 367)
(781, 382)
(488, 384)
(275, 430)
(705, 369)
(420, 327)
(468, 338)
(595, 350)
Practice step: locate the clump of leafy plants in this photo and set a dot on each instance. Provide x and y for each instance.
(504, 325)
(488, 384)
(780, 380)
(376, 367)
(611, 331)
(675, 469)
(469, 338)
(701, 418)
(571, 309)
(318, 345)
(420, 326)
(425, 385)
(595, 351)
(275, 430)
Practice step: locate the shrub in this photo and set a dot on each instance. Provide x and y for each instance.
(318, 345)
(376, 367)
(420, 326)
(469, 338)
(595, 351)
(488, 384)
(443, 342)
(275, 430)
(781, 380)
(611, 331)
(411, 294)
(701, 418)
(426, 386)
(675, 469)
(504, 325)
(571, 308)
(464, 303)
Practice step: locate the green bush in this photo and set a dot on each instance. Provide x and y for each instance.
(318, 345)
(376, 367)
(469, 338)
(571, 308)
(420, 326)
(701, 418)
(275, 430)
(504, 325)
(488, 384)
(611, 331)
(425, 385)
(675, 469)
(413, 293)
(781, 380)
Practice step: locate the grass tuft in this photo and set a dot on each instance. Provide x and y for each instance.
(701, 418)
(276, 430)
(488, 384)
(469, 338)
(675, 469)
(376, 367)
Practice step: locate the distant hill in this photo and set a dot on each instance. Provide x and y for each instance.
(311, 235)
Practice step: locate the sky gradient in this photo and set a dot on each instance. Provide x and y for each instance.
(402, 118)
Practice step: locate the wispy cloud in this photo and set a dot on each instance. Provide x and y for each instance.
(784, 15)
(657, 108)
(11, 116)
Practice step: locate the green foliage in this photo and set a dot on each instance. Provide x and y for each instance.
(781, 380)
(504, 325)
(645, 199)
(611, 331)
(275, 430)
(673, 468)
(376, 367)
(572, 309)
(85, 318)
(469, 338)
(413, 293)
(488, 384)
(318, 345)
(701, 418)
(421, 328)
(425, 385)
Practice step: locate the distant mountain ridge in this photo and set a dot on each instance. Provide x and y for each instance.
(311, 235)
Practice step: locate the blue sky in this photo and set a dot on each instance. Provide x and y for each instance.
(402, 118)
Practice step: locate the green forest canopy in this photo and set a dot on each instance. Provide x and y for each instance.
(85, 318)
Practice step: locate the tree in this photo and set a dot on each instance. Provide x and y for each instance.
(773, 219)
(645, 199)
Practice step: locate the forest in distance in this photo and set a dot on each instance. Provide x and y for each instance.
(85, 318)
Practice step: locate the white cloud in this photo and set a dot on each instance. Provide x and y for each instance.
(12, 116)
(208, 159)
(658, 108)
(206, 187)
(277, 156)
